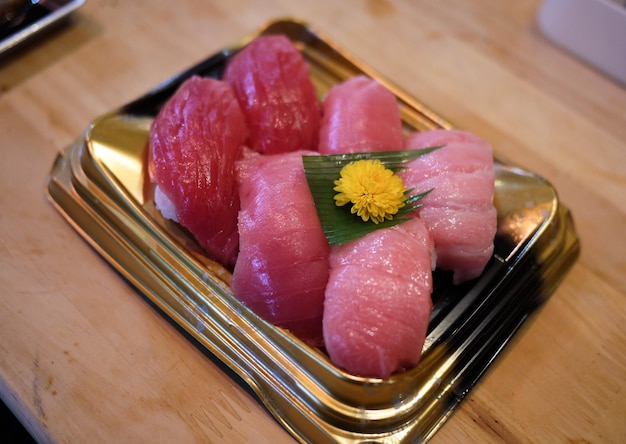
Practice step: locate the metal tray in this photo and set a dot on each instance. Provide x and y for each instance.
(99, 184)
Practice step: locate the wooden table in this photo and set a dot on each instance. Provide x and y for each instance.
(83, 358)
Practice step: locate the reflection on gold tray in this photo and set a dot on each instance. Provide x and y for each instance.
(99, 185)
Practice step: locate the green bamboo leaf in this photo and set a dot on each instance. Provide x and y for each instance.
(338, 223)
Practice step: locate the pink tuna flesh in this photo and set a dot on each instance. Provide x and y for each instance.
(272, 83)
(360, 115)
(459, 212)
(194, 142)
(282, 268)
(378, 300)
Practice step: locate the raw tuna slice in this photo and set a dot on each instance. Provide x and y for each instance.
(272, 83)
(459, 212)
(282, 268)
(360, 115)
(378, 300)
(194, 142)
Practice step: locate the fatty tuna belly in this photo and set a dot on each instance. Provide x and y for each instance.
(360, 115)
(463, 241)
(194, 142)
(378, 300)
(425, 139)
(282, 268)
(456, 157)
(272, 83)
(456, 190)
(459, 212)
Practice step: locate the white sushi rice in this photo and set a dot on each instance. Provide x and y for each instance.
(164, 205)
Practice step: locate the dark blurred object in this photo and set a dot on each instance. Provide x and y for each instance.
(12, 12)
(19, 24)
(11, 430)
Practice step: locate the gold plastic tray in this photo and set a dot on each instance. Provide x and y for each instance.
(99, 184)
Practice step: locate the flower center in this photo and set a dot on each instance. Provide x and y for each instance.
(375, 192)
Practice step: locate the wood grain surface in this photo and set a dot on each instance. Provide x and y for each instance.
(83, 358)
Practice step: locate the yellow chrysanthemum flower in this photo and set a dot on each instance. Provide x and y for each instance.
(376, 193)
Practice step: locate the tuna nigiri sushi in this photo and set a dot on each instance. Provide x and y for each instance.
(360, 115)
(459, 212)
(272, 83)
(282, 268)
(194, 142)
(378, 300)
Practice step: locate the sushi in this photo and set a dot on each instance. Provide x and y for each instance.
(226, 158)
(272, 84)
(194, 142)
(378, 300)
(459, 213)
(360, 115)
(282, 268)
